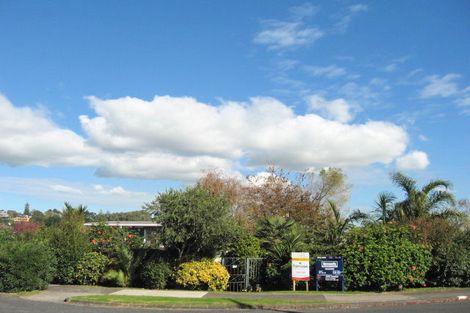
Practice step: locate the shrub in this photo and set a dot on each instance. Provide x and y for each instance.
(382, 257)
(202, 275)
(114, 278)
(155, 275)
(451, 263)
(90, 268)
(244, 245)
(69, 241)
(25, 266)
(115, 243)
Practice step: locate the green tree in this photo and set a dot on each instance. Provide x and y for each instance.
(279, 237)
(432, 200)
(27, 210)
(384, 207)
(69, 241)
(337, 225)
(195, 224)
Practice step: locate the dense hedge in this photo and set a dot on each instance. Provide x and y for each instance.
(25, 266)
(155, 274)
(382, 257)
(113, 278)
(90, 268)
(202, 275)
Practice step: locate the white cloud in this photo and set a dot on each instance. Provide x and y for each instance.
(303, 10)
(347, 17)
(331, 71)
(179, 137)
(423, 138)
(29, 137)
(415, 160)
(358, 8)
(444, 86)
(338, 109)
(279, 35)
(464, 101)
(66, 189)
(392, 67)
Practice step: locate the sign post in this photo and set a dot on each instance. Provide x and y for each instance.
(329, 268)
(300, 268)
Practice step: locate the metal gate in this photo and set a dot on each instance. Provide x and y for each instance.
(244, 273)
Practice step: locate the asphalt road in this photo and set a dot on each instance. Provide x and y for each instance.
(11, 304)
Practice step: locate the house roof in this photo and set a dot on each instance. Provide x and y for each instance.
(127, 224)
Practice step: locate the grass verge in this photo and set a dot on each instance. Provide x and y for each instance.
(150, 301)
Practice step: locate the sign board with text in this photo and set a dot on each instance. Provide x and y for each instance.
(330, 269)
(300, 266)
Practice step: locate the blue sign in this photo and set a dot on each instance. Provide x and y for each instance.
(329, 268)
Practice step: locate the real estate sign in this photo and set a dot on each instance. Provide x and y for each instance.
(329, 268)
(300, 266)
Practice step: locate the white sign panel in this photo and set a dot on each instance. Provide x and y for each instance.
(300, 266)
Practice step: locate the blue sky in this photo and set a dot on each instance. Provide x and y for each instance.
(106, 103)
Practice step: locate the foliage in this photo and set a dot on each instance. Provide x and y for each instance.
(329, 185)
(275, 193)
(116, 244)
(140, 215)
(432, 200)
(452, 268)
(25, 266)
(90, 268)
(155, 274)
(245, 245)
(69, 241)
(450, 250)
(25, 229)
(382, 257)
(336, 225)
(279, 237)
(202, 275)
(195, 224)
(114, 278)
(384, 207)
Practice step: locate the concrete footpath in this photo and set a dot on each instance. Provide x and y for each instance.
(58, 293)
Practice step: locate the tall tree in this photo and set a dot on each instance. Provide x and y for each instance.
(337, 225)
(433, 200)
(384, 207)
(195, 224)
(27, 210)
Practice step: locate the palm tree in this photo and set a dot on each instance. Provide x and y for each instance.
(433, 200)
(337, 225)
(279, 237)
(384, 206)
(74, 213)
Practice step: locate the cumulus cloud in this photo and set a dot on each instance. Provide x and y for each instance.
(437, 86)
(179, 137)
(338, 109)
(415, 160)
(331, 71)
(29, 137)
(279, 35)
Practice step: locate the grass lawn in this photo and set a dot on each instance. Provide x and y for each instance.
(435, 289)
(192, 302)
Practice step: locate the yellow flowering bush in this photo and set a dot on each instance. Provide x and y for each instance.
(202, 275)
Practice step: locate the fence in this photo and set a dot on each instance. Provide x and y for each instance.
(244, 273)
